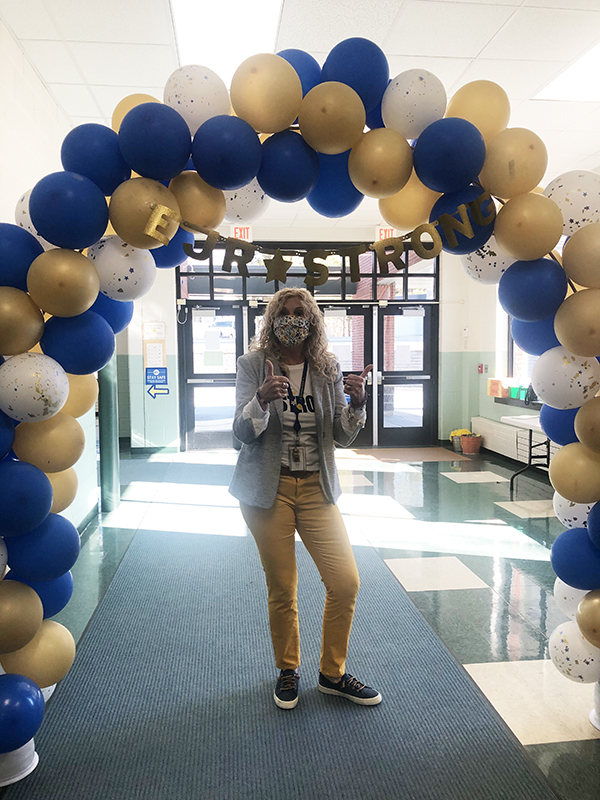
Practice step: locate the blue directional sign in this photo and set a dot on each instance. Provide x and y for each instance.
(156, 376)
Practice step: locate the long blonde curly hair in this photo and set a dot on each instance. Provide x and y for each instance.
(316, 344)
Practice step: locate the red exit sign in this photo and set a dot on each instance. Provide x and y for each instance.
(243, 232)
(385, 233)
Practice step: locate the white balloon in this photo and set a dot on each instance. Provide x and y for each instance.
(125, 272)
(574, 656)
(572, 515)
(197, 94)
(577, 194)
(563, 380)
(568, 598)
(412, 101)
(3, 557)
(32, 387)
(23, 220)
(488, 264)
(48, 691)
(246, 204)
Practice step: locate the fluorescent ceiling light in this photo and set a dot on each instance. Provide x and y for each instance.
(577, 82)
(220, 37)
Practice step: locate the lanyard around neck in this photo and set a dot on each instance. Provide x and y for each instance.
(296, 406)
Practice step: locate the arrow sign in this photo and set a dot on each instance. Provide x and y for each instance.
(154, 390)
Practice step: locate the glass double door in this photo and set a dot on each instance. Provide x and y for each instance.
(400, 341)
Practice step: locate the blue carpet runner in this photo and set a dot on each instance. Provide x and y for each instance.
(170, 697)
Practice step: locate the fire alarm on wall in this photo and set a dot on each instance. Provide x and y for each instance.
(480, 369)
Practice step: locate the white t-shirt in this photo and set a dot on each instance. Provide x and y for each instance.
(306, 418)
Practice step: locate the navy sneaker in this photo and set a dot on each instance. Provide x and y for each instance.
(351, 689)
(286, 690)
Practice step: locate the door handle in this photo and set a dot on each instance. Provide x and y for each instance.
(379, 378)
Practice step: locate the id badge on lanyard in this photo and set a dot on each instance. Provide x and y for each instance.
(296, 451)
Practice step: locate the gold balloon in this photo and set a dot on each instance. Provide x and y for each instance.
(484, 104)
(63, 283)
(581, 256)
(83, 393)
(46, 659)
(125, 105)
(528, 226)
(21, 615)
(51, 445)
(64, 489)
(266, 92)
(131, 206)
(588, 617)
(380, 163)
(575, 473)
(331, 117)
(200, 204)
(587, 424)
(21, 322)
(515, 162)
(410, 207)
(577, 323)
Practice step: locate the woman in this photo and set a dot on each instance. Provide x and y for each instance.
(290, 407)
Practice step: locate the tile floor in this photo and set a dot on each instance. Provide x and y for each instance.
(474, 560)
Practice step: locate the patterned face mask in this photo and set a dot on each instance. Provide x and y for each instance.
(291, 331)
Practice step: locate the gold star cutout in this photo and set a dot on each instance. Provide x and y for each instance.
(277, 267)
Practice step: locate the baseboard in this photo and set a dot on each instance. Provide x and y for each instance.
(88, 518)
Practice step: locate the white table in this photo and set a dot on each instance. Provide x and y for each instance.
(532, 424)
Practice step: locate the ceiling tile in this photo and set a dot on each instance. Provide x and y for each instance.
(591, 122)
(133, 21)
(125, 64)
(549, 115)
(53, 61)
(28, 20)
(561, 35)
(75, 99)
(579, 142)
(519, 79)
(585, 5)
(460, 30)
(316, 26)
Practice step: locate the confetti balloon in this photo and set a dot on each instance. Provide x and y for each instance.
(197, 94)
(125, 272)
(577, 194)
(488, 263)
(564, 380)
(567, 597)
(246, 204)
(23, 220)
(33, 387)
(572, 655)
(572, 515)
(412, 101)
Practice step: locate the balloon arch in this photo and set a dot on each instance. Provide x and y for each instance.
(87, 243)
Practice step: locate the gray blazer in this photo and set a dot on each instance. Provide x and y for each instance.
(256, 475)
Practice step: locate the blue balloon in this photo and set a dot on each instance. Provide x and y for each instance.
(68, 210)
(18, 249)
(117, 313)
(172, 255)
(7, 434)
(374, 118)
(334, 195)
(575, 559)
(593, 525)
(448, 204)
(290, 167)
(306, 66)
(226, 152)
(21, 711)
(155, 141)
(559, 424)
(532, 291)
(534, 337)
(54, 594)
(25, 497)
(81, 344)
(449, 155)
(93, 150)
(46, 552)
(361, 64)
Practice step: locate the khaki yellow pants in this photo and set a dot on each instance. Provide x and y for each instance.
(301, 506)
